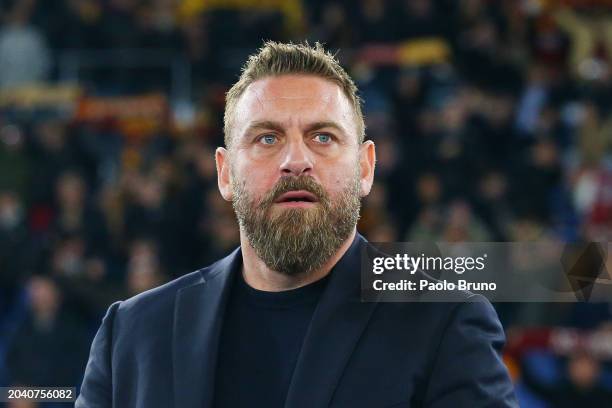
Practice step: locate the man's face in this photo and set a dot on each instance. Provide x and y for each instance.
(295, 171)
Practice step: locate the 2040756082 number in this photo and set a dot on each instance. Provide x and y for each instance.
(56, 394)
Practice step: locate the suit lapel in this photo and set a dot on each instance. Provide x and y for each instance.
(337, 324)
(198, 316)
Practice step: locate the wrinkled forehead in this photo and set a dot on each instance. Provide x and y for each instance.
(294, 100)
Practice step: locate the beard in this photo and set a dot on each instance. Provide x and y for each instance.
(297, 241)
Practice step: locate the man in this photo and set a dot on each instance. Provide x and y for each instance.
(279, 322)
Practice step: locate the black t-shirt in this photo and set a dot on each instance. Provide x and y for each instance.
(260, 342)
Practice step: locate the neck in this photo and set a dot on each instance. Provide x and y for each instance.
(257, 274)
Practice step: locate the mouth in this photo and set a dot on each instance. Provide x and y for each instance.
(299, 198)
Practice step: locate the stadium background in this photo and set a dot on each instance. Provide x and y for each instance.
(491, 119)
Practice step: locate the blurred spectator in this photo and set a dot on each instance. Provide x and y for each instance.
(144, 270)
(532, 101)
(463, 226)
(333, 28)
(537, 174)
(374, 22)
(24, 57)
(492, 204)
(85, 282)
(580, 388)
(49, 348)
(19, 403)
(14, 254)
(74, 215)
(14, 160)
(586, 29)
(421, 18)
(79, 25)
(53, 153)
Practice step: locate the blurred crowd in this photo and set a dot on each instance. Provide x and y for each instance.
(491, 120)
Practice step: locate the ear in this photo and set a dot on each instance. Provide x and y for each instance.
(223, 173)
(367, 162)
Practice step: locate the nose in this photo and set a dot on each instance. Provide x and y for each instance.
(296, 160)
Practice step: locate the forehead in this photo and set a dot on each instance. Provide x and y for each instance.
(294, 100)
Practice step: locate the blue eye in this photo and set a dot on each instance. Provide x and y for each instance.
(323, 138)
(268, 139)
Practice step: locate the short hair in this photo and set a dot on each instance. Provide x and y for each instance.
(276, 59)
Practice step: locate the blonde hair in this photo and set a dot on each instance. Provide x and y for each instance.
(275, 59)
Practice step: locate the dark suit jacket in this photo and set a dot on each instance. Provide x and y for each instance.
(158, 349)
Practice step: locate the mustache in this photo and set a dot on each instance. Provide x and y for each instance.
(292, 183)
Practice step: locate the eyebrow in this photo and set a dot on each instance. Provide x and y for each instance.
(277, 126)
